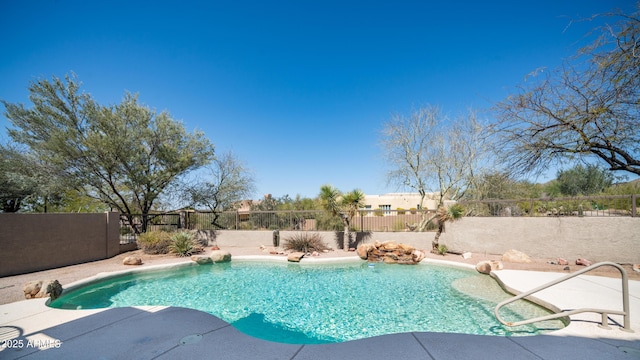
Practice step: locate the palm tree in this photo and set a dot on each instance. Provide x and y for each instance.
(445, 214)
(343, 205)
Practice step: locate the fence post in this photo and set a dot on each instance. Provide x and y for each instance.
(634, 198)
(237, 216)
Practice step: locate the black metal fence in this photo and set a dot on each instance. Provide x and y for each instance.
(372, 220)
(133, 225)
(619, 205)
(305, 220)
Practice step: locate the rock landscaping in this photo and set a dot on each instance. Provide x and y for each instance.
(390, 252)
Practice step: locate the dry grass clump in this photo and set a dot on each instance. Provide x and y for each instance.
(154, 242)
(305, 242)
(162, 242)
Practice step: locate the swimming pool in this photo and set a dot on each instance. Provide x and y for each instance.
(320, 303)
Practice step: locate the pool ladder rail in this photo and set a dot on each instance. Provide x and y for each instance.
(605, 313)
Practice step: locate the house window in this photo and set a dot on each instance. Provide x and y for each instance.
(386, 208)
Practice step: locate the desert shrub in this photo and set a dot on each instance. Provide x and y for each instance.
(399, 225)
(400, 211)
(183, 244)
(154, 242)
(305, 242)
(442, 249)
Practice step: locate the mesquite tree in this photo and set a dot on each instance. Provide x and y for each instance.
(125, 154)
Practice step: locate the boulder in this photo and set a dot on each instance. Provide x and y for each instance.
(201, 259)
(562, 261)
(636, 267)
(418, 255)
(583, 262)
(390, 260)
(54, 289)
(487, 266)
(295, 256)
(218, 256)
(32, 288)
(132, 260)
(406, 248)
(467, 255)
(516, 256)
(388, 246)
(363, 250)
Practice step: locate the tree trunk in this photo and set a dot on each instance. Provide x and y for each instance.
(436, 239)
(345, 236)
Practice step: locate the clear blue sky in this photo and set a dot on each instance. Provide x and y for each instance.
(298, 90)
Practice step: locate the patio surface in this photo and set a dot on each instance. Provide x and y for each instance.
(31, 330)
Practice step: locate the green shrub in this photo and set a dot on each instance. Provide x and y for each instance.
(399, 226)
(182, 244)
(442, 249)
(154, 242)
(400, 211)
(305, 242)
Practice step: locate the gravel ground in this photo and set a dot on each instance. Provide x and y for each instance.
(11, 286)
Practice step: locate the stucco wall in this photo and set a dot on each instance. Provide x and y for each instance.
(228, 239)
(33, 242)
(595, 238)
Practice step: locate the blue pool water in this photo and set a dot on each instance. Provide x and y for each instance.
(310, 304)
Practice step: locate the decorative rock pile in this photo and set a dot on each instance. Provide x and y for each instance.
(390, 252)
(40, 289)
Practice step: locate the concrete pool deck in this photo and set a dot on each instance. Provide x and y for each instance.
(31, 330)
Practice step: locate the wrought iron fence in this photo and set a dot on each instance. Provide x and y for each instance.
(132, 225)
(372, 220)
(618, 205)
(306, 220)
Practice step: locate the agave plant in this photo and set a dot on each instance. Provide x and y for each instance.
(182, 244)
(445, 214)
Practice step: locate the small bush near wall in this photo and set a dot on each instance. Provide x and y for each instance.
(305, 242)
(154, 242)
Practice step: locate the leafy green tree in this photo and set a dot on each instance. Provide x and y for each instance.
(583, 180)
(586, 109)
(500, 185)
(342, 205)
(299, 203)
(125, 155)
(16, 179)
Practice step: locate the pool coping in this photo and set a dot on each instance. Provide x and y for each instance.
(193, 333)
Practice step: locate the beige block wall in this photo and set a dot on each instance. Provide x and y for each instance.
(595, 238)
(33, 242)
(229, 239)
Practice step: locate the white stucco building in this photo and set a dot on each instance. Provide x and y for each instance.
(393, 201)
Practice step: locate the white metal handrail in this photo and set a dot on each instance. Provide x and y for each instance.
(605, 313)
